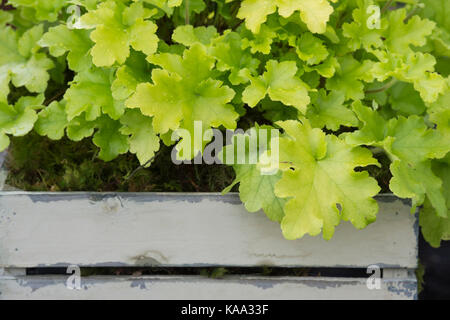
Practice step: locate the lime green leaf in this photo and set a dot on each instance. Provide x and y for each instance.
(163, 107)
(79, 128)
(28, 42)
(165, 5)
(142, 139)
(16, 122)
(310, 48)
(256, 189)
(439, 11)
(358, 32)
(434, 227)
(314, 13)
(61, 39)
(405, 99)
(414, 141)
(114, 32)
(5, 17)
(400, 35)
(440, 112)
(326, 69)
(373, 127)
(408, 139)
(143, 36)
(19, 119)
(109, 139)
(52, 121)
(255, 13)
(281, 84)
(188, 35)
(184, 91)
(136, 70)
(410, 144)
(21, 63)
(111, 46)
(90, 92)
(321, 182)
(416, 182)
(441, 42)
(261, 41)
(349, 76)
(227, 49)
(134, 12)
(4, 141)
(33, 74)
(416, 68)
(41, 9)
(195, 6)
(329, 111)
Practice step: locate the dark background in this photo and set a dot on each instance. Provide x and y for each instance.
(437, 270)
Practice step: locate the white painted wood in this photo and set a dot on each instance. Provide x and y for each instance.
(199, 288)
(48, 229)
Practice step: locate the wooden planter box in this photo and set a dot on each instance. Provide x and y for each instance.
(39, 229)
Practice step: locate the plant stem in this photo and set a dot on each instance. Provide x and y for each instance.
(412, 13)
(383, 88)
(186, 11)
(216, 16)
(56, 96)
(140, 167)
(386, 6)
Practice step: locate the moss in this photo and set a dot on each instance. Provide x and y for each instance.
(38, 164)
(420, 274)
(382, 174)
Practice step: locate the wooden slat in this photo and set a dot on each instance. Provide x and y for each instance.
(141, 229)
(194, 288)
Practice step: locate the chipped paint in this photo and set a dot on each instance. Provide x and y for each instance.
(120, 229)
(138, 283)
(140, 197)
(405, 288)
(291, 288)
(195, 287)
(326, 284)
(33, 284)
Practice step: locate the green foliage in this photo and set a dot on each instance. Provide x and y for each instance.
(256, 188)
(280, 83)
(318, 176)
(345, 90)
(21, 62)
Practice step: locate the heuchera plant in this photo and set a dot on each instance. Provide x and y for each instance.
(342, 79)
